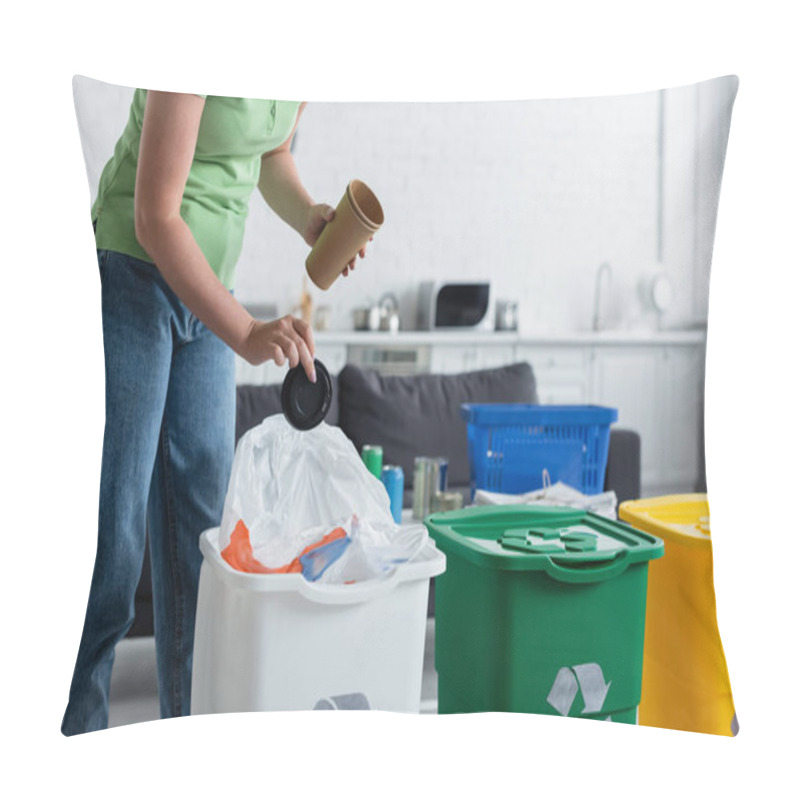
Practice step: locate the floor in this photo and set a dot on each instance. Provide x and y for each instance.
(134, 693)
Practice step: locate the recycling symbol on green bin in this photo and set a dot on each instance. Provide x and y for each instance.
(588, 678)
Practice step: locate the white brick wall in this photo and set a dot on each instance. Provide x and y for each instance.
(533, 195)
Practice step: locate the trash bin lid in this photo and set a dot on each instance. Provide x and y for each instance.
(305, 404)
(680, 518)
(565, 542)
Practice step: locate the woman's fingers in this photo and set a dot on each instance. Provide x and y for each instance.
(304, 346)
(352, 264)
(307, 360)
(303, 329)
(276, 354)
(297, 352)
(290, 350)
(286, 339)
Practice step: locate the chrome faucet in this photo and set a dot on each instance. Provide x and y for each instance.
(605, 267)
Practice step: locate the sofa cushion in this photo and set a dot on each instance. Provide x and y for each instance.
(623, 472)
(255, 402)
(420, 415)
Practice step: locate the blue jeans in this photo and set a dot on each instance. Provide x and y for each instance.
(167, 455)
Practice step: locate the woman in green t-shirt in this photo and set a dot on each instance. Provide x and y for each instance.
(169, 221)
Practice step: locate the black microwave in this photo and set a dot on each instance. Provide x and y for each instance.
(452, 306)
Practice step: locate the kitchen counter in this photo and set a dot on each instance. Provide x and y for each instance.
(654, 378)
(471, 337)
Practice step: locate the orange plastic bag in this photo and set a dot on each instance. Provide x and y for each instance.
(239, 552)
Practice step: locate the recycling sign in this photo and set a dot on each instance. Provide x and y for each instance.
(584, 679)
(343, 702)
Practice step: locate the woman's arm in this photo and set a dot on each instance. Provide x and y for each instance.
(281, 187)
(169, 136)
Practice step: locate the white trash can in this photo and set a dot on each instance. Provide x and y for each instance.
(281, 643)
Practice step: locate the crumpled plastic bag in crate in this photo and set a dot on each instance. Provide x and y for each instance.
(556, 494)
(293, 490)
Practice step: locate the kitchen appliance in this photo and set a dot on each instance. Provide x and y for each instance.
(390, 313)
(507, 316)
(655, 295)
(367, 318)
(322, 318)
(455, 306)
(381, 316)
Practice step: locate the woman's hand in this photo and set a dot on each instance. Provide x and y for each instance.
(318, 216)
(285, 339)
(352, 265)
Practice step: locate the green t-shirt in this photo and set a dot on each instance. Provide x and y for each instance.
(234, 133)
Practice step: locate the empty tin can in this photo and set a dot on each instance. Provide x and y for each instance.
(446, 501)
(372, 456)
(393, 479)
(426, 484)
(443, 464)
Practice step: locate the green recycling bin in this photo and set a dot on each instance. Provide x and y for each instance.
(541, 610)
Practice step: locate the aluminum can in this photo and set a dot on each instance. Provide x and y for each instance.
(426, 483)
(447, 501)
(393, 479)
(443, 464)
(372, 456)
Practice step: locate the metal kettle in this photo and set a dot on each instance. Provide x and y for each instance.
(506, 318)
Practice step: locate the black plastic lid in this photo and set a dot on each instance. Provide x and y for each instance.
(305, 404)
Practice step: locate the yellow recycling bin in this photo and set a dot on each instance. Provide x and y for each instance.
(685, 683)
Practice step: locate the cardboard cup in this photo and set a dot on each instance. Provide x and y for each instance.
(358, 216)
(365, 204)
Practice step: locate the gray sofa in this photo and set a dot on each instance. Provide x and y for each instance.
(411, 416)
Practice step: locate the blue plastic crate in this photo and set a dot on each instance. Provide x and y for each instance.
(511, 444)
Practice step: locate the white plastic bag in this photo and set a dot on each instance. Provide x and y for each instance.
(291, 487)
(375, 549)
(557, 494)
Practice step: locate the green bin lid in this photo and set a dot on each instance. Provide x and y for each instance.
(567, 543)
